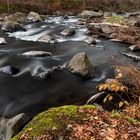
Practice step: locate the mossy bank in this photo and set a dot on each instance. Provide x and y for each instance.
(78, 122)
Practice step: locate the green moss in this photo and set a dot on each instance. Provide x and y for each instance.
(115, 19)
(119, 114)
(48, 120)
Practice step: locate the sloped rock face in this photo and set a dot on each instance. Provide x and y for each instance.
(68, 32)
(80, 65)
(36, 54)
(34, 17)
(11, 27)
(91, 14)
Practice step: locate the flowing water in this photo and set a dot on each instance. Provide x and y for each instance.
(24, 92)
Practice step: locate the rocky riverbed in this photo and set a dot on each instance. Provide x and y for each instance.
(56, 60)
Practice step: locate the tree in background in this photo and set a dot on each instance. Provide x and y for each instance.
(8, 6)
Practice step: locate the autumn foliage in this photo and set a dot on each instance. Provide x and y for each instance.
(69, 5)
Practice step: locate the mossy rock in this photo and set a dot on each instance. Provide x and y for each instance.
(54, 121)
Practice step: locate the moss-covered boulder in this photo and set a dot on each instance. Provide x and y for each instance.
(55, 121)
(80, 123)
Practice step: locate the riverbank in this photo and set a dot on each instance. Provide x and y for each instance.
(51, 6)
(81, 123)
(56, 60)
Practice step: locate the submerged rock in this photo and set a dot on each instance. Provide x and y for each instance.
(80, 65)
(91, 14)
(2, 41)
(12, 126)
(68, 32)
(90, 40)
(12, 27)
(48, 39)
(9, 70)
(34, 17)
(36, 54)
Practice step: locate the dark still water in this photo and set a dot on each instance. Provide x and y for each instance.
(25, 92)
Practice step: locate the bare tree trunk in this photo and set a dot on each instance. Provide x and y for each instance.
(8, 6)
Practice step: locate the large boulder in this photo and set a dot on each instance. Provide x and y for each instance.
(91, 14)
(47, 39)
(12, 126)
(56, 121)
(68, 32)
(34, 17)
(80, 65)
(2, 41)
(36, 54)
(11, 27)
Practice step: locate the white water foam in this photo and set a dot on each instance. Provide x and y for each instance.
(28, 34)
(56, 20)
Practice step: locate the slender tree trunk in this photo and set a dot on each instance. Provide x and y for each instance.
(8, 6)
